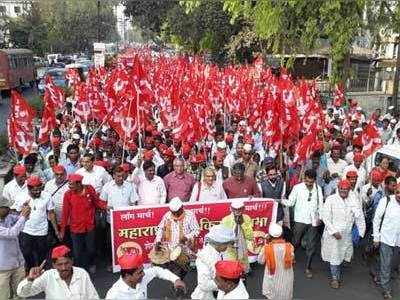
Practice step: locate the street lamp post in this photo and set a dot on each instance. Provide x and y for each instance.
(98, 20)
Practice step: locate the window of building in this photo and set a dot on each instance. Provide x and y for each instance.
(17, 9)
(3, 9)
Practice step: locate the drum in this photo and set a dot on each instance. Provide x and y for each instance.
(160, 257)
(178, 256)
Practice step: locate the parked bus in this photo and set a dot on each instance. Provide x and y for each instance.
(16, 68)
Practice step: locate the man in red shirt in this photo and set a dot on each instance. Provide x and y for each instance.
(179, 183)
(239, 185)
(79, 205)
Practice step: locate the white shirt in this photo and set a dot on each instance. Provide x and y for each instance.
(97, 178)
(57, 198)
(364, 192)
(190, 228)
(37, 224)
(118, 196)
(305, 211)
(151, 192)
(390, 230)
(12, 189)
(121, 291)
(336, 167)
(238, 292)
(208, 193)
(81, 287)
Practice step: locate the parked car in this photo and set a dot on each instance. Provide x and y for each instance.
(58, 76)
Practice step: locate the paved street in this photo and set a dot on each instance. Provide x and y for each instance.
(357, 283)
(5, 106)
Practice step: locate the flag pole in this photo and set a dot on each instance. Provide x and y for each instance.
(124, 144)
(98, 128)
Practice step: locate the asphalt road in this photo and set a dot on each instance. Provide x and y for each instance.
(357, 283)
(28, 93)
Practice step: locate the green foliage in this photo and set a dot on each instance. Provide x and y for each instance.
(63, 26)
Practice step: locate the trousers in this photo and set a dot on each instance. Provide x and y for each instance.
(386, 253)
(33, 248)
(9, 281)
(310, 234)
(336, 272)
(84, 246)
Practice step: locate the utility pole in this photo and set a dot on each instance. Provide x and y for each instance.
(98, 20)
(396, 78)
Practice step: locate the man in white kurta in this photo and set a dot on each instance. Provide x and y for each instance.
(278, 279)
(339, 213)
(178, 227)
(216, 243)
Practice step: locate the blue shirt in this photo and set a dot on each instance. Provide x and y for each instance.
(71, 168)
(10, 253)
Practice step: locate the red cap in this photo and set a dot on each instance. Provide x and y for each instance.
(358, 157)
(75, 177)
(126, 167)
(351, 174)
(132, 146)
(248, 139)
(34, 181)
(60, 251)
(318, 146)
(58, 169)
(148, 155)
(229, 138)
(102, 163)
(344, 184)
(230, 269)
(19, 170)
(376, 175)
(130, 261)
(155, 133)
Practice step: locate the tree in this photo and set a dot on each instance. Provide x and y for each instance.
(297, 26)
(63, 26)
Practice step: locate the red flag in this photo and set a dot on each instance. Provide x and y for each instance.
(48, 123)
(53, 94)
(20, 124)
(371, 140)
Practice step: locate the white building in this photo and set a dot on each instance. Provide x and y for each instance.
(13, 8)
(123, 22)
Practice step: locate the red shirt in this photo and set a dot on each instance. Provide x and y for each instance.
(79, 210)
(245, 188)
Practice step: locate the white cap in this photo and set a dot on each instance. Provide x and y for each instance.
(242, 123)
(275, 230)
(76, 136)
(380, 118)
(336, 127)
(220, 234)
(221, 145)
(359, 108)
(358, 129)
(393, 121)
(175, 204)
(4, 202)
(391, 107)
(247, 147)
(237, 203)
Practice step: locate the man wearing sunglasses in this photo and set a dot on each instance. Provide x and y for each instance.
(305, 199)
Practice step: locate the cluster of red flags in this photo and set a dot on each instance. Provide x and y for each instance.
(185, 95)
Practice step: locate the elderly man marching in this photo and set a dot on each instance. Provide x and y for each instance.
(242, 226)
(178, 229)
(216, 242)
(278, 256)
(339, 213)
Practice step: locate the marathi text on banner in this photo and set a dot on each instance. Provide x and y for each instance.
(135, 228)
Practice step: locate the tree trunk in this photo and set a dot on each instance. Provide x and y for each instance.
(396, 80)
